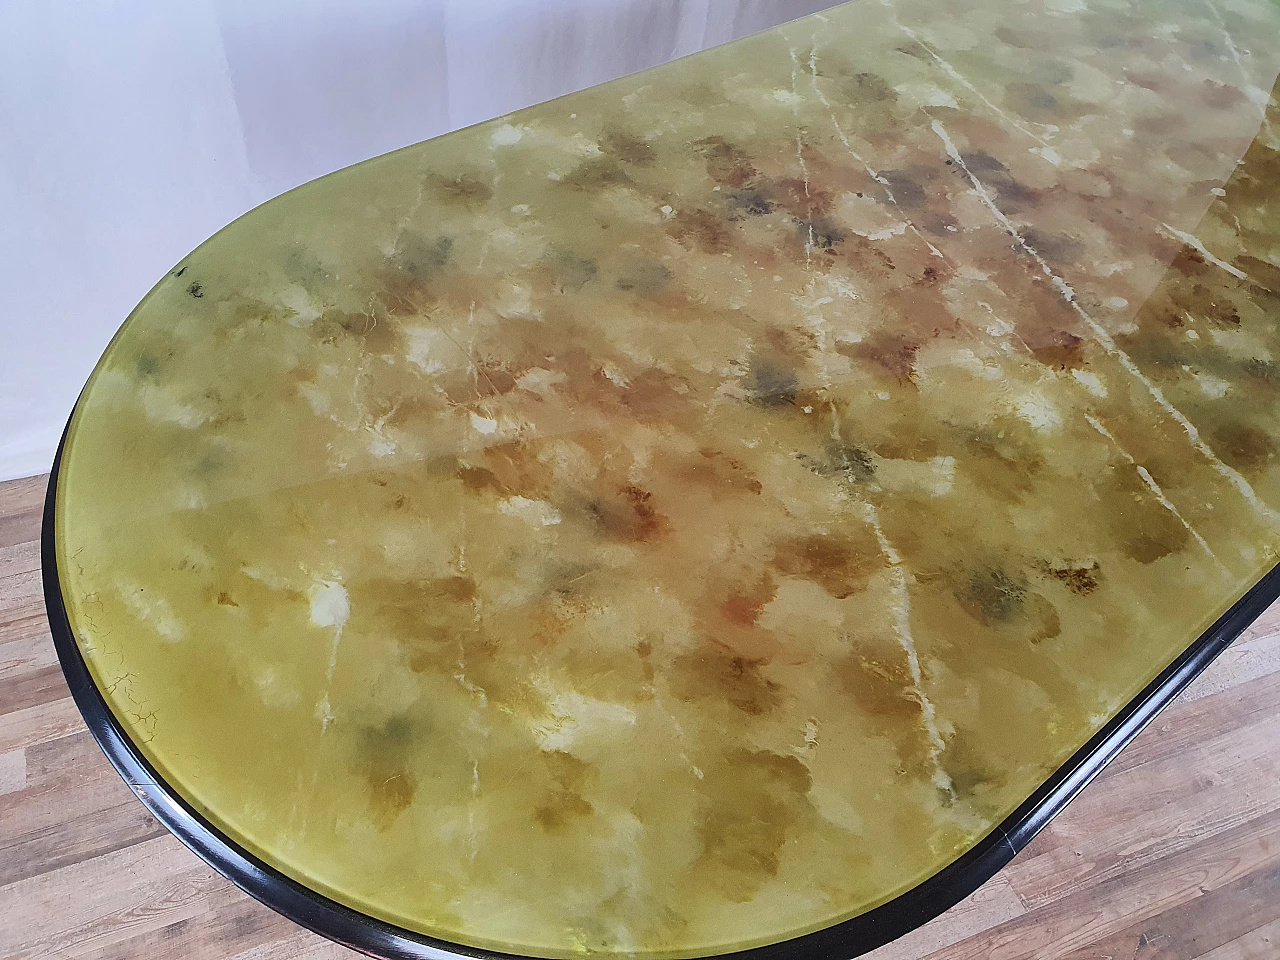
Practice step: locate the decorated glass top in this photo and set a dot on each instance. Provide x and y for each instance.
(692, 512)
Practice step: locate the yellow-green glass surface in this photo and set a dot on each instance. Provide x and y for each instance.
(692, 512)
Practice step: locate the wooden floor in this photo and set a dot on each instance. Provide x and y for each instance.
(1172, 853)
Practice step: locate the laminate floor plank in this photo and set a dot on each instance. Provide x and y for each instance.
(1095, 911)
(1195, 928)
(85, 837)
(1260, 943)
(26, 646)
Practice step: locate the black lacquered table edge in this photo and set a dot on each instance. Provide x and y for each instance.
(850, 938)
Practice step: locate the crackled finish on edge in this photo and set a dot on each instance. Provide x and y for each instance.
(692, 512)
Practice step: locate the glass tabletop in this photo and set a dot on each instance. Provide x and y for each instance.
(693, 512)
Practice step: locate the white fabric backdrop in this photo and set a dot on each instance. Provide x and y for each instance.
(131, 130)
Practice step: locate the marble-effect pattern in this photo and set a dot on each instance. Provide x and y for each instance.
(689, 513)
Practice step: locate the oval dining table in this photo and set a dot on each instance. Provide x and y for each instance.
(725, 511)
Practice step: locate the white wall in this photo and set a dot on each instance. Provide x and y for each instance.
(131, 130)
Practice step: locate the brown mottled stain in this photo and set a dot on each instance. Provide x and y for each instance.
(1022, 39)
(646, 279)
(1060, 350)
(562, 800)
(654, 395)
(801, 200)
(993, 596)
(227, 418)
(1190, 262)
(840, 563)
(1043, 105)
(1170, 315)
(1147, 80)
(1042, 616)
(303, 373)
(890, 353)
(727, 163)
(405, 294)
(629, 516)
(702, 229)
(378, 335)
(412, 410)
(820, 233)
(1266, 370)
(390, 784)
(464, 190)
(754, 801)
(1011, 194)
(224, 599)
(1242, 445)
(571, 272)
(516, 468)
(792, 341)
(848, 460)
(1144, 529)
(715, 673)
(753, 203)
(907, 192)
(716, 469)
(906, 443)
(420, 258)
(914, 48)
(933, 274)
(585, 380)
(629, 148)
(1263, 275)
(493, 380)
(1004, 461)
(1220, 96)
(867, 257)
(968, 768)
(744, 605)
(772, 381)
(560, 808)
(644, 650)
(1160, 124)
(423, 659)
(389, 795)
(678, 305)
(998, 600)
(882, 687)
(428, 618)
(1079, 580)
(597, 173)
(477, 479)
(1195, 158)
(456, 588)
(880, 683)
(1053, 245)
(872, 88)
(1148, 549)
(1212, 305)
